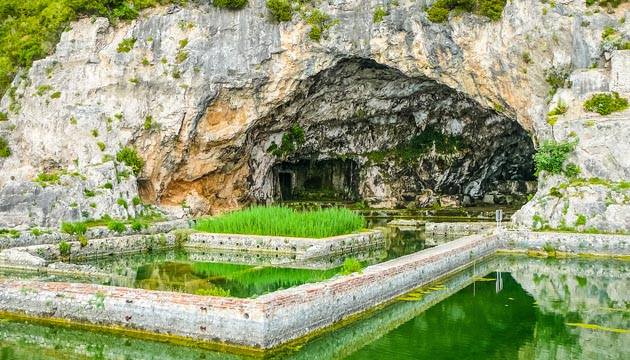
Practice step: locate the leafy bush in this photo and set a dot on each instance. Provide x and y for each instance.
(379, 14)
(560, 109)
(281, 10)
(319, 22)
(551, 156)
(83, 241)
(281, 221)
(122, 202)
(557, 77)
(126, 45)
(64, 248)
(605, 104)
(581, 220)
(130, 157)
(136, 201)
(492, 9)
(116, 226)
(291, 140)
(572, 170)
(45, 179)
(5, 150)
(3, 116)
(138, 225)
(77, 228)
(351, 265)
(230, 4)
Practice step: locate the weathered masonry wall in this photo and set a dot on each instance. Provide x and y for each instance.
(604, 244)
(458, 228)
(237, 321)
(295, 312)
(27, 238)
(303, 248)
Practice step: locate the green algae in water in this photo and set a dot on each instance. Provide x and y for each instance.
(177, 271)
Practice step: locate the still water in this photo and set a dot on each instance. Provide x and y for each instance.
(502, 308)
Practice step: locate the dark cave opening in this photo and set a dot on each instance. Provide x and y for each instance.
(370, 132)
(316, 180)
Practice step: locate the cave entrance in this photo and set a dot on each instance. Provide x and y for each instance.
(316, 180)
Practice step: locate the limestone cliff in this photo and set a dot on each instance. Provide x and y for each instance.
(206, 96)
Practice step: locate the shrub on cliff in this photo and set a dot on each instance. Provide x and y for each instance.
(5, 150)
(129, 156)
(230, 4)
(551, 156)
(492, 9)
(281, 10)
(605, 104)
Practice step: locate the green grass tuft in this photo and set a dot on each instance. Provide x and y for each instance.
(281, 221)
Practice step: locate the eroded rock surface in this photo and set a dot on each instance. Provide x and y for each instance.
(204, 93)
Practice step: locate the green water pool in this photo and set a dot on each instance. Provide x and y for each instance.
(502, 308)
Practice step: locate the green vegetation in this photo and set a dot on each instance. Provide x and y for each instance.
(136, 201)
(605, 104)
(5, 150)
(351, 265)
(3, 116)
(122, 202)
(439, 11)
(622, 185)
(64, 248)
(557, 77)
(83, 240)
(551, 156)
(581, 220)
(117, 226)
(319, 21)
(613, 39)
(560, 109)
(230, 4)
(419, 145)
(55, 95)
(291, 140)
(379, 14)
(129, 156)
(280, 10)
(45, 179)
(605, 3)
(281, 221)
(29, 30)
(10, 232)
(213, 291)
(89, 193)
(101, 145)
(126, 45)
(74, 228)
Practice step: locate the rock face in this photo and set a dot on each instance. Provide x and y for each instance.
(204, 93)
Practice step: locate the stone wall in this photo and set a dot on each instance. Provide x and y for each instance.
(303, 248)
(574, 243)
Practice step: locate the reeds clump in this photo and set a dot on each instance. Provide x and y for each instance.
(282, 221)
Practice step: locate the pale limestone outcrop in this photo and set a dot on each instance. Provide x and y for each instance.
(200, 93)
